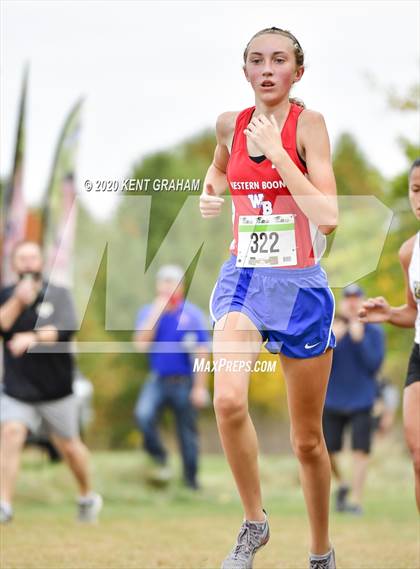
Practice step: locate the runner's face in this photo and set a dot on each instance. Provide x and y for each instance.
(271, 67)
(414, 191)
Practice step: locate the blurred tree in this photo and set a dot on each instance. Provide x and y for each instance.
(353, 172)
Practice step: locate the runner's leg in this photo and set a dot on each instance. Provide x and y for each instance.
(307, 381)
(237, 432)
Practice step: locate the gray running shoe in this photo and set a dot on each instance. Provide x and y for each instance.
(327, 563)
(251, 537)
(89, 509)
(6, 515)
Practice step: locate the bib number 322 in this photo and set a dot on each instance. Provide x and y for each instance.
(266, 241)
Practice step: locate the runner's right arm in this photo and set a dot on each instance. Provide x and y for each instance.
(215, 182)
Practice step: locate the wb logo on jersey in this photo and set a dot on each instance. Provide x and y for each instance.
(257, 201)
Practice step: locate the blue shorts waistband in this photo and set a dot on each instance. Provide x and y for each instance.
(278, 271)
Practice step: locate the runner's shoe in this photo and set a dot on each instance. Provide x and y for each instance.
(252, 536)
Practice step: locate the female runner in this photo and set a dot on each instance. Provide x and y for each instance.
(406, 316)
(275, 158)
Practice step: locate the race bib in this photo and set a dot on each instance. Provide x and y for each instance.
(266, 241)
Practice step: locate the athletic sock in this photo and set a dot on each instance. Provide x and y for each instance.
(320, 557)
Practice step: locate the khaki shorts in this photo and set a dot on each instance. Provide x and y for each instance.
(59, 417)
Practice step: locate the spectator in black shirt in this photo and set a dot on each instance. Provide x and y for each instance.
(37, 321)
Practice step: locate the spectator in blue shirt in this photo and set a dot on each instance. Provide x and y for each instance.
(173, 331)
(351, 394)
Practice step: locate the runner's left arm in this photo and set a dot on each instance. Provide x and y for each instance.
(315, 194)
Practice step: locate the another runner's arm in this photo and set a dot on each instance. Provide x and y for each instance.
(215, 182)
(378, 309)
(405, 315)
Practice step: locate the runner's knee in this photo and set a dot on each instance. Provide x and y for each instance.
(307, 447)
(229, 406)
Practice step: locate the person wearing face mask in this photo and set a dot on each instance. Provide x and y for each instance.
(351, 395)
(37, 322)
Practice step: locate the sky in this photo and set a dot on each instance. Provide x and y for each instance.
(154, 73)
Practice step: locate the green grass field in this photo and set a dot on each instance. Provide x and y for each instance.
(143, 527)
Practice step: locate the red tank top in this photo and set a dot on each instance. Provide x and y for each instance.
(254, 186)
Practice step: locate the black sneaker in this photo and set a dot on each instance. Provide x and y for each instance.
(341, 498)
(325, 563)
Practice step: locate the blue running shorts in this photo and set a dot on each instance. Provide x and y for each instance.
(293, 309)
